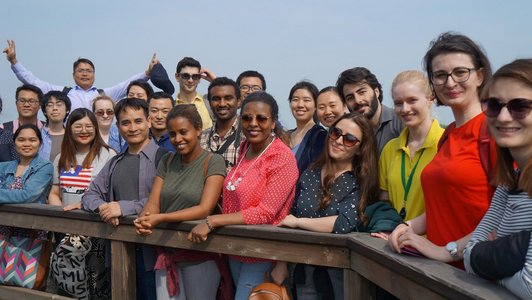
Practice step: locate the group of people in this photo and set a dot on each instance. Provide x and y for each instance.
(458, 195)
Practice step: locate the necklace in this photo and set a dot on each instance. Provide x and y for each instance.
(231, 186)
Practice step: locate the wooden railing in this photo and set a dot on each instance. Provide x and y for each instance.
(366, 261)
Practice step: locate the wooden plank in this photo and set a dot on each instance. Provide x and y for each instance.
(356, 287)
(409, 277)
(123, 280)
(18, 293)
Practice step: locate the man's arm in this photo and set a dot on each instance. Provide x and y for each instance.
(118, 91)
(98, 192)
(23, 74)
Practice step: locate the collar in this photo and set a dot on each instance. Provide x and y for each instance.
(149, 150)
(163, 137)
(198, 98)
(387, 114)
(16, 124)
(233, 128)
(431, 139)
(92, 88)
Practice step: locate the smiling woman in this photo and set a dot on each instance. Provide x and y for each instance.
(307, 139)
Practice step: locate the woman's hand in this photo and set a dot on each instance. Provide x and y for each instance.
(145, 224)
(289, 221)
(199, 233)
(381, 235)
(72, 206)
(393, 238)
(280, 272)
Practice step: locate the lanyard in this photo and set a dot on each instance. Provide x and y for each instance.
(407, 184)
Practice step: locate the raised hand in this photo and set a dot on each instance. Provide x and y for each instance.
(154, 60)
(207, 75)
(10, 51)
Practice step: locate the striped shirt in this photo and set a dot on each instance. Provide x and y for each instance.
(509, 212)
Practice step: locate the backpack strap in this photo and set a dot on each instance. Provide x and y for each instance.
(487, 150)
(66, 89)
(101, 92)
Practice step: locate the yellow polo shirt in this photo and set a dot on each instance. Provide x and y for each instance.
(390, 170)
(202, 109)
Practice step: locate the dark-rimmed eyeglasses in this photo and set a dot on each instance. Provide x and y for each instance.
(458, 74)
(187, 76)
(27, 101)
(253, 88)
(518, 108)
(261, 119)
(102, 112)
(348, 139)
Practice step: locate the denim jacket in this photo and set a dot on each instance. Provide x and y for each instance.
(36, 182)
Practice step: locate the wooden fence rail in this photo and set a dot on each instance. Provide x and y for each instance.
(366, 261)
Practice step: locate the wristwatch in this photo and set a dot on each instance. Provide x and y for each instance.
(452, 247)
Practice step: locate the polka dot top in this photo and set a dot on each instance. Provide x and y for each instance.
(345, 197)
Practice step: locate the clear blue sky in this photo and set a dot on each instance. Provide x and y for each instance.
(287, 41)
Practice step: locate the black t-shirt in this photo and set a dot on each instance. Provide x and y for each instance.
(126, 178)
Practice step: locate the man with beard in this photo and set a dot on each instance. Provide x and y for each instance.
(226, 134)
(362, 93)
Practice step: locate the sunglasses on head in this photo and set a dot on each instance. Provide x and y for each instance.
(187, 76)
(518, 108)
(261, 119)
(101, 112)
(349, 140)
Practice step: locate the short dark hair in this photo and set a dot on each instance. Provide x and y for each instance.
(187, 61)
(82, 60)
(142, 84)
(133, 103)
(251, 73)
(187, 111)
(58, 95)
(161, 95)
(449, 42)
(330, 88)
(31, 88)
(357, 75)
(223, 81)
(28, 126)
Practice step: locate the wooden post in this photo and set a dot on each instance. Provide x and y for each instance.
(356, 287)
(123, 279)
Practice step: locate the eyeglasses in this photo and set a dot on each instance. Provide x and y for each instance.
(518, 108)
(253, 88)
(349, 140)
(101, 112)
(57, 104)
(27, 101)
(458, 74)
(79, 128)
(87, 71)
(187, 76)
(261, 119)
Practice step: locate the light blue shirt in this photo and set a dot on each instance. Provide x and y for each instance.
(78, 96)
(36, 181)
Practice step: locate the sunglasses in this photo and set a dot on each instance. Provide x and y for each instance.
(187, 76)
(518, 108)
(261, 119)
(101, 112)
(349, 140)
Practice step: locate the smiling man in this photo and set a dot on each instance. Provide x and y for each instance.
(249, 82)
(55, 106)
(226, 134)
(362, 93)
(83, 73)
(188, 74)
(160, 104)
(28, 101)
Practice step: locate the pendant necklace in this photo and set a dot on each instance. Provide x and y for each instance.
(231, 185)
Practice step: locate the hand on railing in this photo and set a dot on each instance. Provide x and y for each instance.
(145, 224)
(110, 212)
(199, 233)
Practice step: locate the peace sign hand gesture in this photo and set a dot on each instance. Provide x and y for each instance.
(11, 53)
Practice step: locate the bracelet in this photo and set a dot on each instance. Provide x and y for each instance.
(209, 224)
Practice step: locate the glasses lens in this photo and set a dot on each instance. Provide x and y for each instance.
(519, 108)
(185, 76)
(261, 119)
(460, 74)
(491, 107)
(245, 88)
(350, 140)
(110, 112)
(196, 77)
(247, 118)
(335, 133)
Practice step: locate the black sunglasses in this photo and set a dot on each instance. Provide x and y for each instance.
(518, 108)
(261, 119)
(349, 140)
(187, 76)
